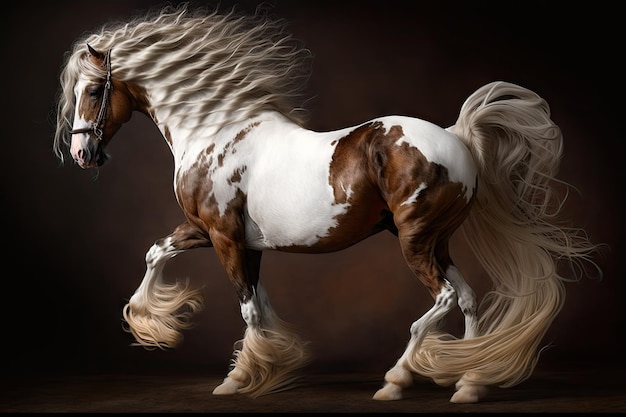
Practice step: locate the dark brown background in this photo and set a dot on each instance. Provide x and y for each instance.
(74, 242)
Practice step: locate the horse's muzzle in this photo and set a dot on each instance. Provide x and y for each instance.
(86, 158)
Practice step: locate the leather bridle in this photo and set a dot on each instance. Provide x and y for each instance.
(98, 126)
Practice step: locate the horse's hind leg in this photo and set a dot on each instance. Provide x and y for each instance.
(466, 390)
(158, 311)
(420, 259)
(466, 300)
(429, 258)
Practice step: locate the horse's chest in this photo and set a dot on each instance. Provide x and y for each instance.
(208, 187)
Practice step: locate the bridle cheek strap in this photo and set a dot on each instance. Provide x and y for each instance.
(98, 126)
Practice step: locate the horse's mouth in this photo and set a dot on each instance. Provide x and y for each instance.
(101, 156)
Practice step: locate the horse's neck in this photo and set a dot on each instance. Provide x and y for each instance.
(215, 131)
(183, 137)
(187, 133)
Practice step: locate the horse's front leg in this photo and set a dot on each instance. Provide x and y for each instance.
(270, 351)
(158, 311)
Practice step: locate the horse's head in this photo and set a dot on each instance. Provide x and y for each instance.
(102, 106)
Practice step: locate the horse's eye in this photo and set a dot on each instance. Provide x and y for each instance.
(95, 91)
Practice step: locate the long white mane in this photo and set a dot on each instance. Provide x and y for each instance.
(203, 61)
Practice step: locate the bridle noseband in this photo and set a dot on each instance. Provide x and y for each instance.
(98, 126)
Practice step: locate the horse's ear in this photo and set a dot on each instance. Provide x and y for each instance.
(94, 53)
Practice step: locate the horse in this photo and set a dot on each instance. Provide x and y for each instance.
(249, 176)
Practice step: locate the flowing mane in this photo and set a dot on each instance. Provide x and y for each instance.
(208, 62)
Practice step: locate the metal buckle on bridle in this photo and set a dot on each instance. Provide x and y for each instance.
(98, 126)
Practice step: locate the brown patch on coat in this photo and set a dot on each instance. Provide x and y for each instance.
(244, 132)
(124, 98)
(229, 148)
(237, 175)
(426, 225)
(375, 176)
(226, 232)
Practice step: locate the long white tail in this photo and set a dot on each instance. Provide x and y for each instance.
(513, 229)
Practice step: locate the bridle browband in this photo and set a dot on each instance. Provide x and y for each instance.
(98, 125)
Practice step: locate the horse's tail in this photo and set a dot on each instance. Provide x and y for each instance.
(513, 230)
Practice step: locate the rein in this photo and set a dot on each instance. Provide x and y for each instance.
(98, 125)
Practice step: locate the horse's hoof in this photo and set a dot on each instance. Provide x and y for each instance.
(399, 376)
(469, 394)
(228, 387)
(390, 392)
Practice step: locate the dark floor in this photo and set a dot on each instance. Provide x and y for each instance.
(567, 389)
